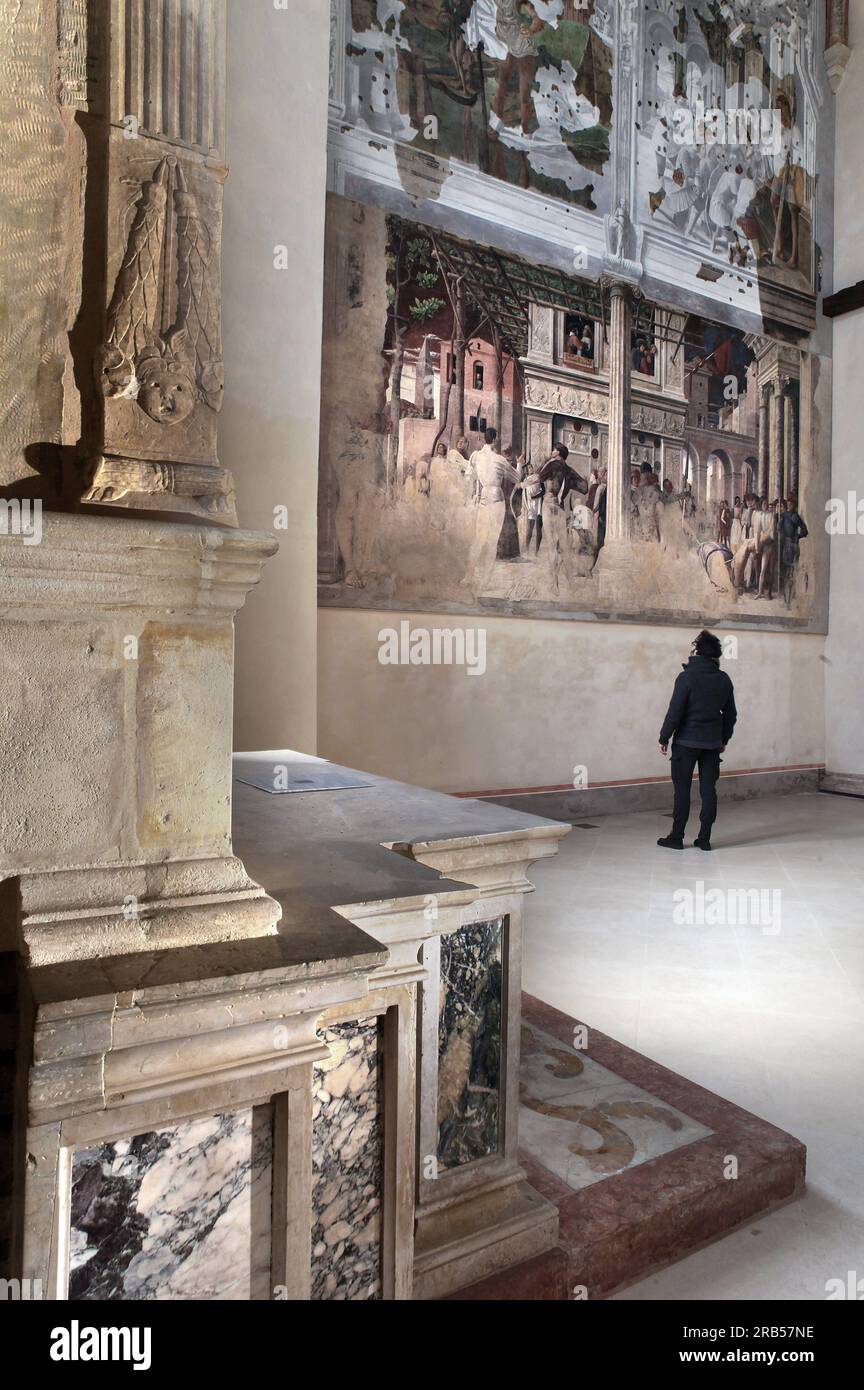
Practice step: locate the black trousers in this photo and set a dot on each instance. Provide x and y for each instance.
(684, 760)
(534, 522)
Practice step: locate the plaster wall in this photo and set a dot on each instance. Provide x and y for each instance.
(844, 650)
(554, 695)
(278, 63)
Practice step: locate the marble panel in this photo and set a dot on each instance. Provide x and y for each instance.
(583, 1122)
(179, 1213)
(469, 1043)
(348, 1164)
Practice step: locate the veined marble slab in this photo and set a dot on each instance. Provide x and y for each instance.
(179, 1213)
(469, 1043)
(347, 1165)
(583, 1122)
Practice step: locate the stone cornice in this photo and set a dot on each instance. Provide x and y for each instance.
(88, 562)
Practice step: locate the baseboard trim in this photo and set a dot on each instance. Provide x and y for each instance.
(843, 783)
(652, 793)
(661, 778)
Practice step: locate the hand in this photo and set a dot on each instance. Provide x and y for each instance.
(664, 748)
(722, 747)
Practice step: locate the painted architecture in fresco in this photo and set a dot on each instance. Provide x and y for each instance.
(593, 228)
(438, 343)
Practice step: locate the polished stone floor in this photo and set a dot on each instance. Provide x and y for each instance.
(760, 999)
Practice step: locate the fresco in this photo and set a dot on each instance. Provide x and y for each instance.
(432, 343)
(726, 146)
(690, 139)
(520, 89)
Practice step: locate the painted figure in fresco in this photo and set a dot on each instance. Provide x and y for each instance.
(688, 501)
(792, 531)
(516, 24)
(643, 356)
(454, 14)
(490, 471)
(647, 503)
(682, 196)
(508, 538)
(599, 509)
(769, 567)
(663, 136)
(580, 337)
(730, 195)
(449, 486)
(556, 552)
(789, 187)
(531, 486)
(724, 523)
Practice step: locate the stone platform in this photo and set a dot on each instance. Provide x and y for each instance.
(639, 1162)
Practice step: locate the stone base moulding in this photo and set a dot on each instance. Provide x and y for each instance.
(842, 783)
(117, 656)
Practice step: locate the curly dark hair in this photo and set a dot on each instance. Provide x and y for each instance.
(707, 644)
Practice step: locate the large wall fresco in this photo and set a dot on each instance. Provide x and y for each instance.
(727, 138)
(519, 89)
(496, 167)
(698, 131)
(431, 341)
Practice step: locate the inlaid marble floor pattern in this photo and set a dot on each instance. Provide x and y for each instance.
(584, 1122)
(770, 1016)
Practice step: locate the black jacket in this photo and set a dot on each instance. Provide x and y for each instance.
(702, 710)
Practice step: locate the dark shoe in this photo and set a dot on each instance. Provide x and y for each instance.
(701, 843)
(669, 842)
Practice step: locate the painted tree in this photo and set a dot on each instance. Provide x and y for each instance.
(412, 272)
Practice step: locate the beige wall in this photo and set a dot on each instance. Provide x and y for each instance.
(554, 694)
(278, 65)
(844, 671)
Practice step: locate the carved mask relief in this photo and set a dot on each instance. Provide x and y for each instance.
(159, 349)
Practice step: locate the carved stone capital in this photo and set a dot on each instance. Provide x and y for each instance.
(836, 61)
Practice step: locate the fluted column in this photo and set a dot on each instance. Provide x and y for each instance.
(787, 438)
(795, 441)
(777, 454)
(764, 441)
(618, 480)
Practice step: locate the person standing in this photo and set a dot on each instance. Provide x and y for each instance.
(489, 470)
(792, 531)
(701, 717)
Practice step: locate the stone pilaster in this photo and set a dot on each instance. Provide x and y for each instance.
(618, 481)
(156, 354)
(776, 489)
(764, 440)
(837, 48)
(795, 439)
(788, 432)
(541, 333)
